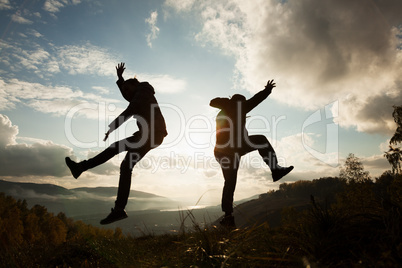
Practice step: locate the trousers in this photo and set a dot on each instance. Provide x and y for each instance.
(229, 160)
(136, 146)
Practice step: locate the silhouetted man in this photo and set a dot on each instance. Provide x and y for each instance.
(233, 141)
(151, 132)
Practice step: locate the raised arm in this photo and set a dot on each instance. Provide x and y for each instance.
(260, 96)
(120, 70)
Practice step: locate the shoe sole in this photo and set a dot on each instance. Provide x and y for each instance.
(111, 221)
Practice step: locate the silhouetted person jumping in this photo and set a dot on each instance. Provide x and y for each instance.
(233, 141)
(151, 132)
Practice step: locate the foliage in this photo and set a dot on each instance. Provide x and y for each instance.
(362, 228)
(355, 224)
(35, 237)
(397, 114)
(326, 188)
(394, 154)
(353, 170)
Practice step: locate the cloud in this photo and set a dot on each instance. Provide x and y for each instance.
(375, 164)
(65, 101)
(5, 4)
(55, 100)
(38, 159)
(46, 61)
(85, 59)
(101, 90)
(152, 20)
(180, 5)
(164, 83)
(35, 33)
(317, 52)
(109, 168)
(54, 6)
(8, 132)
(19, 19)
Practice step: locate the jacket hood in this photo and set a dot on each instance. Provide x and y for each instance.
(130, 88)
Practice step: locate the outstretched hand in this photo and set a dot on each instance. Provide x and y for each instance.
(120, 69)
(270, 85)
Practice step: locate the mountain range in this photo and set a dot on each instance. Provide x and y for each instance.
(149, 213)
(79, 202)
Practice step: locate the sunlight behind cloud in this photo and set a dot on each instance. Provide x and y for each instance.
(312, 51)
(58, 84)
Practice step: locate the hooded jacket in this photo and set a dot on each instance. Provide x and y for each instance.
(231, 129)
(143, 106)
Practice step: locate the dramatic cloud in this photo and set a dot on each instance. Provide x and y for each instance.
(317, 52)
(38, 159)
(151, 21)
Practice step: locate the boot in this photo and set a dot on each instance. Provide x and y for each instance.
(279, 172)
(75, 168)
(115, 215)
(228, 222)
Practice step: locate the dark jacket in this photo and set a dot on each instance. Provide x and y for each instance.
(143, 107)
(231, 120)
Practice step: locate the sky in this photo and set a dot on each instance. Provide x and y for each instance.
(337, 65)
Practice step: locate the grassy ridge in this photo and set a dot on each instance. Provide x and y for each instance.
(358, 225)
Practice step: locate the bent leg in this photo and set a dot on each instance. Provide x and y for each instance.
(267, 152)
(264, 147)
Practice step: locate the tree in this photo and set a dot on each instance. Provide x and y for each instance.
(353, 170)
(394, 154)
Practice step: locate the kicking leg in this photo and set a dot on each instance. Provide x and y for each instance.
(114, 149)
(267, 152)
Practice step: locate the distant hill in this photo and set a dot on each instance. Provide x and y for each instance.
(269, 207)
(112, 191)
(146, 213)
(82, 201)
